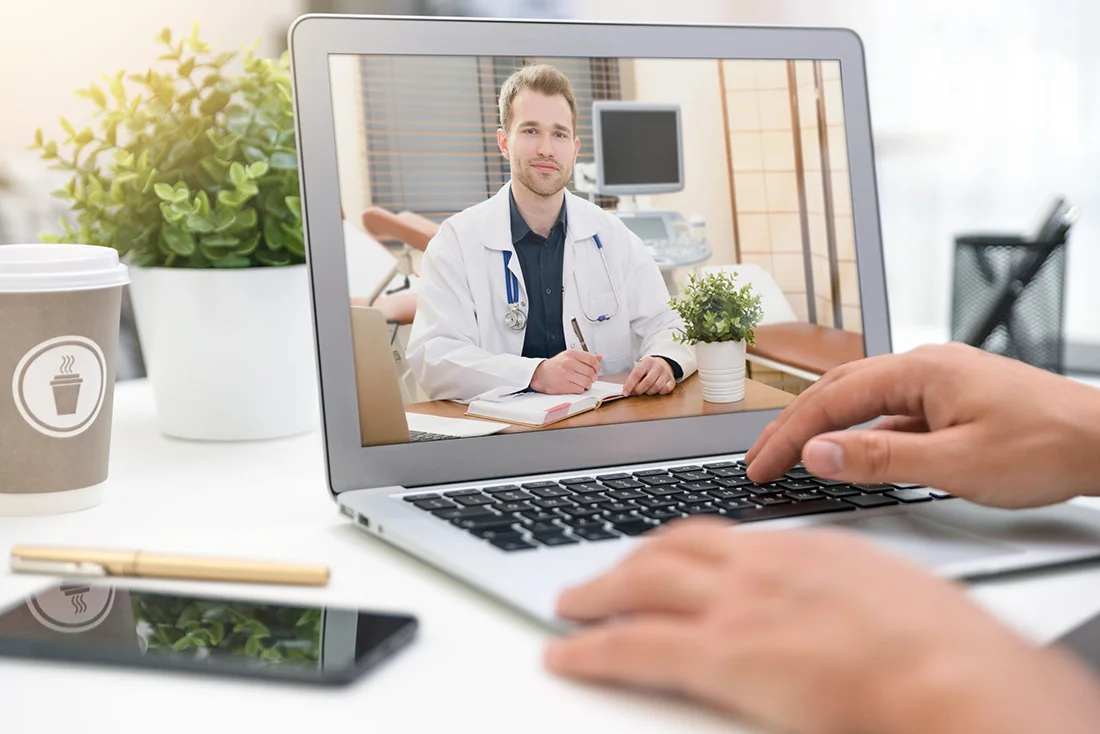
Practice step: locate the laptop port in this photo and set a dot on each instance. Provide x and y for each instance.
(363, 520)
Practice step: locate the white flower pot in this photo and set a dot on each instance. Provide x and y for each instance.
(229, 352)
(721, 370)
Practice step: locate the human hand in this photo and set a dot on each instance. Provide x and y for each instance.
(984, 427)
(568, 373)
(651, 376)
(814, 631)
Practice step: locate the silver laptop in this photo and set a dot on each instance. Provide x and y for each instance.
(772, 147)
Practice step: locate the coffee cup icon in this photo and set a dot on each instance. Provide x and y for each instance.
(66, 387)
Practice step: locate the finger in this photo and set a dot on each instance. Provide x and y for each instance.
(905, 423)
(670, 583)
(666, 385)
(587, 358)
(632, 380)
(886, 456)
(889, 387)
(827, 379)
(651, 651)
(649, 379)
(583, 369)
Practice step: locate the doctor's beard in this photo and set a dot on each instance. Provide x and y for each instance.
(543, 184)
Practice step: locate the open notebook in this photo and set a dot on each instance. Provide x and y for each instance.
(538, 409)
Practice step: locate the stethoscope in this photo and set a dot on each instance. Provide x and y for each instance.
(515, 319)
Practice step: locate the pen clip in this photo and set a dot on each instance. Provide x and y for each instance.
(56, 568)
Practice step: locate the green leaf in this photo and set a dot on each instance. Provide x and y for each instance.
(281, 161)
(220, 240)
(67, 127)
(257, 169)
(215, 102)
(177, 240)
(294, 204)
(186, 67)
(38, 138)
(223, 58)
(165, 36)
(232, 261)
(248, 245)
(273, 258)
(117, 90)
(164, 192)
(237, 174)
(98, 96)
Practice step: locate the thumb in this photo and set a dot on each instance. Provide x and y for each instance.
(872, 456)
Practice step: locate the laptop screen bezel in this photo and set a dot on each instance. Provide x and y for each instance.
(315, 38)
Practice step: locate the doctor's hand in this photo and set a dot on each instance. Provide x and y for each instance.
(817, 632)
(987, 428)
(568, 373)
(651, 376)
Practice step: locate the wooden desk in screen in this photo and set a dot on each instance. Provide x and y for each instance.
(683, 402)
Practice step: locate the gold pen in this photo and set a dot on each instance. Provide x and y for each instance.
(577, 331)
(99, 562)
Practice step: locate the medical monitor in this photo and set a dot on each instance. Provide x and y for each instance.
(637, 147)
(403, 114)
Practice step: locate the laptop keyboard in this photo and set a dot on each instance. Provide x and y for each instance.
(608, 506)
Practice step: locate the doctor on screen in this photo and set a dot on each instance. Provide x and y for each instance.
(503, 281)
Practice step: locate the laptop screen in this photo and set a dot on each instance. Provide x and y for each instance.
(541, 239)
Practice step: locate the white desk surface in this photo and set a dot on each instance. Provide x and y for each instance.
(475, 664)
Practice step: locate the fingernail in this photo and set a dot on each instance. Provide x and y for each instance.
(824, 458)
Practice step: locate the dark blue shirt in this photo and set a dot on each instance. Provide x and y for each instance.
(542, 260)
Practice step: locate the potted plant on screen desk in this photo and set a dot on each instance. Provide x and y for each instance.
(719, 319)
(192, 172)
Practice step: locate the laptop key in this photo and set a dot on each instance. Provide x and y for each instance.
(510, 495)
(656, 502)
(471, 500)
(939, 494)
(873, 488)
(796, 485)
(550, 502)
(771, 500)
(726, 494)
(539, 485)
(610, 507)
(483, 523)
(720, 465)
(798, 474)
(585, 523)
(634, 527)
(610, 477)
(418, 497)
(547, 492)
(699, 486)
(691, 476)
(480, 511)
(501, 488)
(461, 492)
(867, 501)
(495, 533)
(650, 472)
(838, 491)
(555, 538)
(830, 482)
(732, 482)
(664, 490)
(691, 498)
(588, 499)
(576, 480)
(512, 506)
(586, 488)
(909, 496)
(734, 505)
(657, 480)
(511, 544)
(805, 495)
(797, 509)
(692, 467)
(623, 483)
(625, 494)
(728, 473)
(907, 485)
(436, 504)
(662, 513)
(538, 516)
(574, 511)
(701, 510)
(595, 534)
(619, 517)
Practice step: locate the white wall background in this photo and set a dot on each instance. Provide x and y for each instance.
(982, 109)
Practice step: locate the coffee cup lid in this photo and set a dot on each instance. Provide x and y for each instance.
(61, 267)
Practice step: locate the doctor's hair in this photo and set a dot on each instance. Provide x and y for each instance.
(542, 78)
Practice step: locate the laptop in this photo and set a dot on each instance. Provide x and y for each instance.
(400, 112)
(383, 419)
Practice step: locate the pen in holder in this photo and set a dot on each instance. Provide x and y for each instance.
(1008, 296)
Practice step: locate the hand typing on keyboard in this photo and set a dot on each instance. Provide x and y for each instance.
(983, 427)
(815, 631)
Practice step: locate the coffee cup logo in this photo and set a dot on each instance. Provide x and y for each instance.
(59, 385)
(72, 607)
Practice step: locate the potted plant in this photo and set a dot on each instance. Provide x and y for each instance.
(719, 319)
(192, 173)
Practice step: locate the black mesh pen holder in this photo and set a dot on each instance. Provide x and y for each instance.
(1008, 297)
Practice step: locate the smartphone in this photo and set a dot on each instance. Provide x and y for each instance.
(106, 624)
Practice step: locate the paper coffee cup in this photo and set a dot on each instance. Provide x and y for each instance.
(59, 306)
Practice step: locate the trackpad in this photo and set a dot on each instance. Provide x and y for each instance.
(925, 541)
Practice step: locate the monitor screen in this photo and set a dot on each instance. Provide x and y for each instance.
(637, 148)
(491, 260)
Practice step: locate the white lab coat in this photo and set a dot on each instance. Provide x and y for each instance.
(459, 347)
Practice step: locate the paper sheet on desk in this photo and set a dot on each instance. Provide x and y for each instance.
(457, 427)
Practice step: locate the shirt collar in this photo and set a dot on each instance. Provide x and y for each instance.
(519, 225)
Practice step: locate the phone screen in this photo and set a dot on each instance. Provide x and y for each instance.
(103, 623)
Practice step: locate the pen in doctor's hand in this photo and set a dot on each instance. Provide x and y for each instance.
(580, 336)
